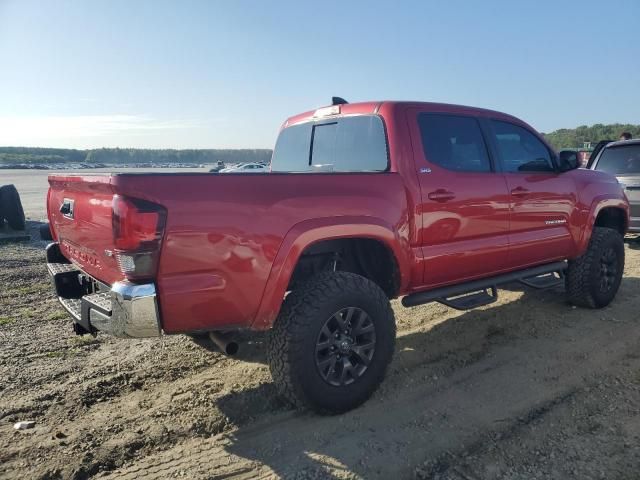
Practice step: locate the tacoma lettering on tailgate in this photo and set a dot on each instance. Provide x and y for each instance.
(78, 253)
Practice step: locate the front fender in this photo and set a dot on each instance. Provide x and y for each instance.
(599, 203)
(308, 232)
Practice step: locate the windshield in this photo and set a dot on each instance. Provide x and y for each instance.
(622, 160)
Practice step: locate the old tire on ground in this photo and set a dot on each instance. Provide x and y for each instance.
(45, 232)
(2, 218)
(331, 345)
(11, 207)
(593, 279)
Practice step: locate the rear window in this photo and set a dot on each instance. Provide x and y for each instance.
(344, 144)
(624, 160)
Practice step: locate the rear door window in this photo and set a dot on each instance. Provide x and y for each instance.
(453, 142)
(520, 150)
(342, 144)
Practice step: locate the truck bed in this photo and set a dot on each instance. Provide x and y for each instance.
(223, 232)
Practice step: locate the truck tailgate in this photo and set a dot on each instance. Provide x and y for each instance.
(79, 209)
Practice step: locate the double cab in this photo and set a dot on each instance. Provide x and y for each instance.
(363, 203)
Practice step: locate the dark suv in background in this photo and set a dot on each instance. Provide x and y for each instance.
(622, 159)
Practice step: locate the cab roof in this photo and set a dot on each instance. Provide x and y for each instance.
(375, 107)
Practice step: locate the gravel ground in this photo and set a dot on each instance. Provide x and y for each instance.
(526, 388)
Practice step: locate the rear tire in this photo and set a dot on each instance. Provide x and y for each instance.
(331, 345)
(11, 207)
(593, 279)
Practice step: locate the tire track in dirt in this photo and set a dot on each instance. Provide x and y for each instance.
(458, 381)
(507, 386)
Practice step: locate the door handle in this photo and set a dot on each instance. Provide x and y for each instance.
(519, 192)
(441, 195)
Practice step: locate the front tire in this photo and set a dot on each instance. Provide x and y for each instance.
(331, 345)
(593, 279)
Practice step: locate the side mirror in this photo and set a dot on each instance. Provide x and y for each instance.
(568, 160)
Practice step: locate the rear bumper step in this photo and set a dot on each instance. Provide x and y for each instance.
(476, 291)
(122, 309)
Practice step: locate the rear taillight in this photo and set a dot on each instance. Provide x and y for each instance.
(138, 227)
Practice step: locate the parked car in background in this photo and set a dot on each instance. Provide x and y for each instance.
(246, 168)
(217, 167)
(596, 150)
(622, 159)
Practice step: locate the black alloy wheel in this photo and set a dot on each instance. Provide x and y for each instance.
(345, 346)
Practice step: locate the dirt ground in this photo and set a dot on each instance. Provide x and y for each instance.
(528, 388)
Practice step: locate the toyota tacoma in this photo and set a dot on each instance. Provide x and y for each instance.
(363, 203)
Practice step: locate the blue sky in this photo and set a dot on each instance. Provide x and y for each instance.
(213, 74)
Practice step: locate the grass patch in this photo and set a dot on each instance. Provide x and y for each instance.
(27, 313)
(82, 340)
(6, 320)
(59, 315)
(56, 354)
(74, 348)
(65, 353)
(29, 289)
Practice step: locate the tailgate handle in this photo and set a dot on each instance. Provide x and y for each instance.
(66, 208)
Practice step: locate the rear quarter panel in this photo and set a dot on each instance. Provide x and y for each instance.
(224, 234)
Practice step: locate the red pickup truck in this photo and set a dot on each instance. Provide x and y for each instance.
(364, 203)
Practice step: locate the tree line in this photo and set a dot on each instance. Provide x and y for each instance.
(576, 137)
(16, 155)
(559, 139)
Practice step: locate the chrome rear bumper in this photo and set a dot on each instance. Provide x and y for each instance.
(134, 312)
(123, 309)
